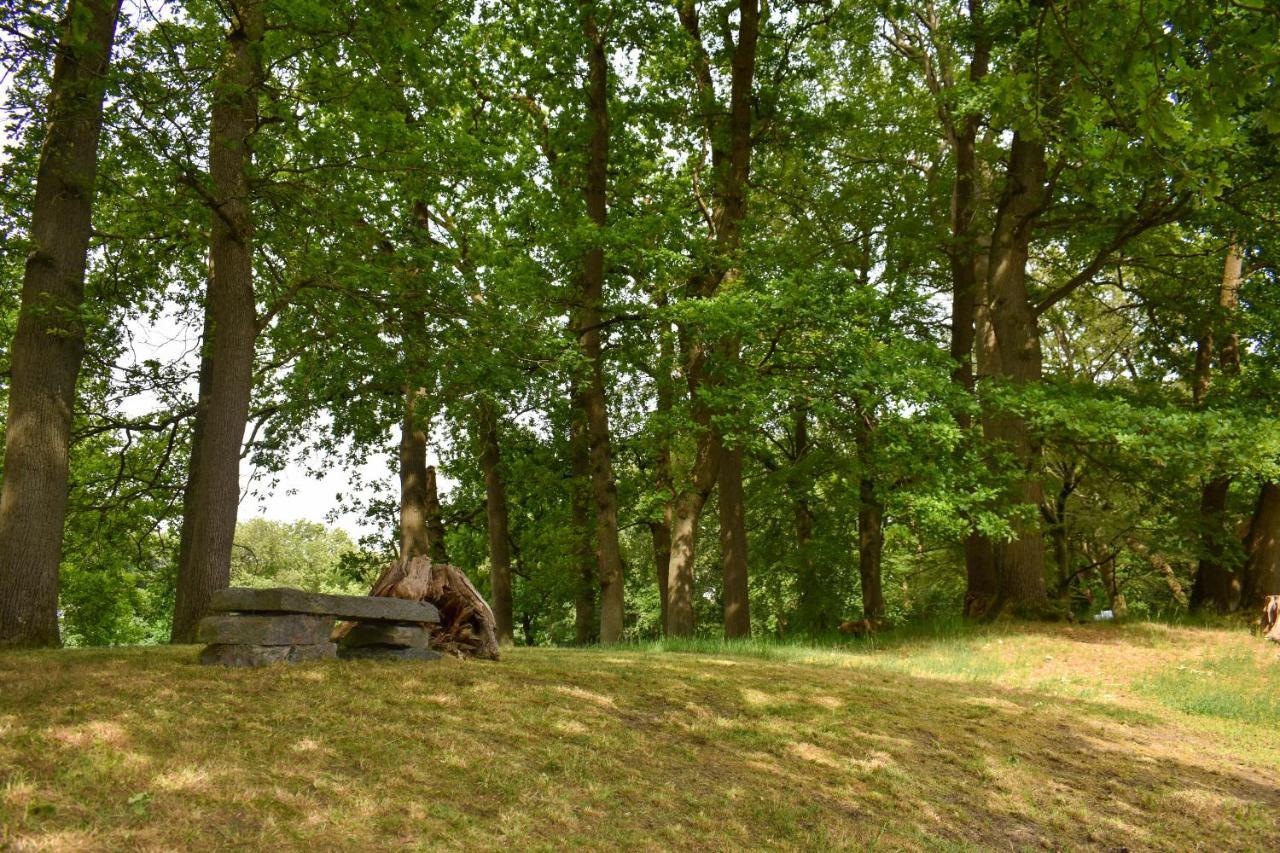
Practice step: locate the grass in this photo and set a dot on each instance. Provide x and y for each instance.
(1139, 736)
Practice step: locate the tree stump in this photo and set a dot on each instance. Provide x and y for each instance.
(467, 627)
(1270, 621)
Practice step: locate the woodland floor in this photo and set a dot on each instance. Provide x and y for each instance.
(1138, 736)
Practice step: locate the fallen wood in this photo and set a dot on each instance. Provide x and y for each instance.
(466, 627)
(1270, 621)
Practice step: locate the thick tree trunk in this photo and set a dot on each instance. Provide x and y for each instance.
(813, 600)
(435, 522)
(684, 541)
(1020, 561)
(982, 588)
(415, 540)
(688, 504)
(733, 545)
(496, 515)
(1215, 584)
(731, 145)
(213, 486)
(870, 549)
(1262, 549)
(604, 488)
(581, 522)
(49, 343)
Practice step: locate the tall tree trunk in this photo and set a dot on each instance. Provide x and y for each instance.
(496, 514)
(1215, 584)
(604, 488)
(982, 587)
(49, 343)
(731, 162)
(660, 529)
(870, 548)
(435, 522)
(870, 526)
(733, 545)
(968, 273)
(1020, 561)
(213, 486)
(1262, 549)
(812, 598)
(582, 524)
(414, 538)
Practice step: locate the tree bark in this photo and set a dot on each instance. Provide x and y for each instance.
(982, 587)
(415, 541)
(604, 487)
(583, 550)
(733, 545)
(49, 343)
(498, 527)
(731, 162)
(870, 549)
(968, 269)
(812, 599)
(1020, 561)
(213, 486)
(1262, 549)
(435, 522)
(1215, 584)
(660, 529)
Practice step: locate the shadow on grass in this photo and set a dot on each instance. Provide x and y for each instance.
(564, 749)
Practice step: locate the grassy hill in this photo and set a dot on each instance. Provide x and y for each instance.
(1140, 736)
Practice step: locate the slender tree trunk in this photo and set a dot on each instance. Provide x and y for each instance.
(604, 488)
(1020, 562)
(415, 540)
(582, 524)
(49, 343)
(660, 529)
(733, 545)
(813, 600)
(213, 488)
(496, 515)
(1215, 584)
(1107, 568)
(1262, 549)
(435, 522)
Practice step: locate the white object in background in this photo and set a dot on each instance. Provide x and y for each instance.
(1104, 616)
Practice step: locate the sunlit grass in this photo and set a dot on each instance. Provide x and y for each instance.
(1139, 736)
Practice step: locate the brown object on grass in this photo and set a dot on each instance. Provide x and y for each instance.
(467, 627)
(1270, 621)
(860, 628)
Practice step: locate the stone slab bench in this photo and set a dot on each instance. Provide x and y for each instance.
(256, 627)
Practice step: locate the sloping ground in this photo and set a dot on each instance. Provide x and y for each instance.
(1101, 737)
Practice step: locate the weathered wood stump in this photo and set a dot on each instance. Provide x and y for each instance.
(466, 627)
(1270, 621)
(257, 627)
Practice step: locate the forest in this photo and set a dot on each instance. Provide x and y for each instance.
(740, 319)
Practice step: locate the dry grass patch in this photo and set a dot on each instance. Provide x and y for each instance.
(1073, 738)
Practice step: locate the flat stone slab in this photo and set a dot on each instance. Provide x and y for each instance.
(265, 629)
(400, 636)
(385, 653)
(357, 608)
(245, 654)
